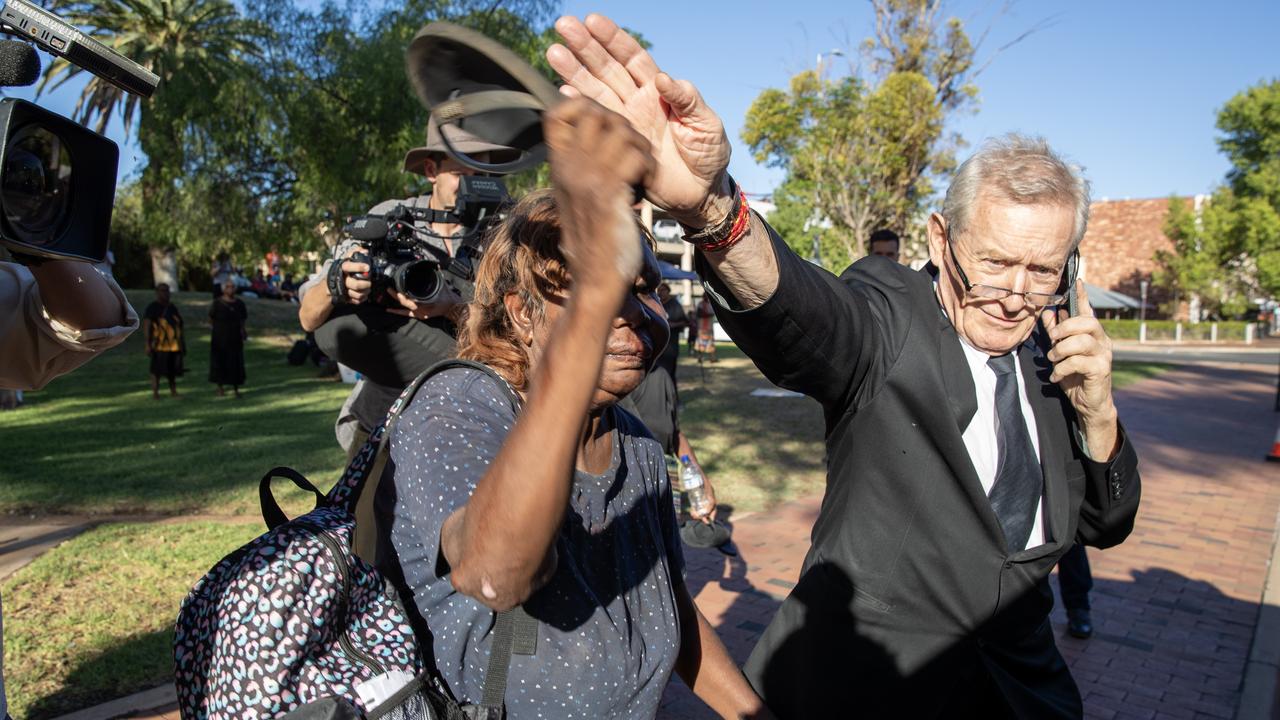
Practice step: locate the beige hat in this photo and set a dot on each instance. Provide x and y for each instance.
(461, 140)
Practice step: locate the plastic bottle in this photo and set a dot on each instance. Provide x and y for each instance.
(694, 485)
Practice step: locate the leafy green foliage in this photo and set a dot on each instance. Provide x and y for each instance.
(274, 123)
(862, 153)
(1229, 253)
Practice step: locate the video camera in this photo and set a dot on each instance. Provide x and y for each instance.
(399, 259)
(57, 178)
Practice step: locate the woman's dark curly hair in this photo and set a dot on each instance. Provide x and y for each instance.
(523, 257)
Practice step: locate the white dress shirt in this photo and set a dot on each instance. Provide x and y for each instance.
(980, 436)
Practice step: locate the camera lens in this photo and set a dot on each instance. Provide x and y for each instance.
(420, 280)
(36, 188)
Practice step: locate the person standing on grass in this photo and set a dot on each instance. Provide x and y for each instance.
(705, 345)
(162, 327)
(227, 314)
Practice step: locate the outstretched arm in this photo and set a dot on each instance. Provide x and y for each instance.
(500, 544)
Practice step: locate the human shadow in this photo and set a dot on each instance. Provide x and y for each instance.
(98, 678)
(1164, 642)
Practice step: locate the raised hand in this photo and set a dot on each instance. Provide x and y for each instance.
(1081, 355)
(600, 61)
(596, 159)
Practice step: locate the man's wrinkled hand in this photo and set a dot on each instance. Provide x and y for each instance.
(601, 61)
(1082, 359)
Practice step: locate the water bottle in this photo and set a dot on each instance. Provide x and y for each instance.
(694, 486)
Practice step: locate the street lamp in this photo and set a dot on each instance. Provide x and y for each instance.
(833, 52)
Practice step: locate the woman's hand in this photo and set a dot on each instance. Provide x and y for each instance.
(596, 160)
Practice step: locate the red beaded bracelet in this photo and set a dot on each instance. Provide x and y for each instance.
(739, 230)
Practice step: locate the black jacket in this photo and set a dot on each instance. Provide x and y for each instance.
(908, 603)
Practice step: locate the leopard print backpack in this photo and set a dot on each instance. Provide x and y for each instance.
(294, 623)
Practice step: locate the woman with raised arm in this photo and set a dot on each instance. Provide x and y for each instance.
(562, 504)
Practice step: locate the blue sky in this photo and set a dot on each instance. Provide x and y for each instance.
(1130, 90)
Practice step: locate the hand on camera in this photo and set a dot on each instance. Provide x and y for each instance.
(355, 289)
(596, 160)
(448, 304)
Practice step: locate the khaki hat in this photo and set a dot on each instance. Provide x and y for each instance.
(462, 141)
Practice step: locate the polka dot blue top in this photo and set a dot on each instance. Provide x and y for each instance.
(608, 632)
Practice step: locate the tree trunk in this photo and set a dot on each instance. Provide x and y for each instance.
(164, 266)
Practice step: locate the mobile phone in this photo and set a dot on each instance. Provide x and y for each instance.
(1073, 302)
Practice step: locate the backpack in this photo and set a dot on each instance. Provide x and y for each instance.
(299, 353)
(294, 623)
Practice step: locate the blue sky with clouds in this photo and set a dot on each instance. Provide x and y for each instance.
(1128, 89)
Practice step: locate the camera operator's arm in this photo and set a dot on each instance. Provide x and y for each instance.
(80, 312)
(317, 301)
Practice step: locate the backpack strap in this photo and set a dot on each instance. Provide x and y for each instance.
(365, 461)
(271, 511)
(516, 632)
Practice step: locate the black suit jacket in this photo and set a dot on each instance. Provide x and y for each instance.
(909, 604)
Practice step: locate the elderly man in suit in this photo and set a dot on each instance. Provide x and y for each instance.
(971, 432)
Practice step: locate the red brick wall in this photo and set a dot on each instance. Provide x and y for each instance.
(1119, 249)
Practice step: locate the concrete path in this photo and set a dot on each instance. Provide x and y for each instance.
(23, 540)
(1175, 607)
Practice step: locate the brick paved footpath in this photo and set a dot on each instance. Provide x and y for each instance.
(1174, 607)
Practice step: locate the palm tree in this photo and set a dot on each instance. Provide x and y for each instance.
(193, 46)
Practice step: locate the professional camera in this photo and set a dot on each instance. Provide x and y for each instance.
(399, 259)
(57, 178)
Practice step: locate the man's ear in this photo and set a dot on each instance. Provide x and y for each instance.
(936, 229)
(521, 316)
(431, 168)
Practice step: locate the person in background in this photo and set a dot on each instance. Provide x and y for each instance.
(678, 320)
(162, 327)
(227, 315)
(55, 315)
(1075, 580)
(221, 271)
(884, 243)
(705, 345)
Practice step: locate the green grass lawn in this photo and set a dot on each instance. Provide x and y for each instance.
(92, 620)
(95, 442)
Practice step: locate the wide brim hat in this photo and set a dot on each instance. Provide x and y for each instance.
(415, 160)
(472, 82)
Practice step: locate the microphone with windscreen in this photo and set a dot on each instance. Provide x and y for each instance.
(19, 64)
(472, 82)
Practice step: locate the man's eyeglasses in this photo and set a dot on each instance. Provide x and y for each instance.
(990, 292)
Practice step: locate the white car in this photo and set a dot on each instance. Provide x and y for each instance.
(666, 230)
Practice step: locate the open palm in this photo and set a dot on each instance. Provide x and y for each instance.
(600, 61)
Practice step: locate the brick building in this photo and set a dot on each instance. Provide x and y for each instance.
(1119, 249)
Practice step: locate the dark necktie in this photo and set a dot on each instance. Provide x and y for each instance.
(1016, 492)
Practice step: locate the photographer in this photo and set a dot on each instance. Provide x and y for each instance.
(391, 343)
(81, 313)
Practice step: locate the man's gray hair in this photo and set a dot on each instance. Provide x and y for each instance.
(1018, 169)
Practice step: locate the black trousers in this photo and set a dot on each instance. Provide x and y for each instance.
(1075, 580)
